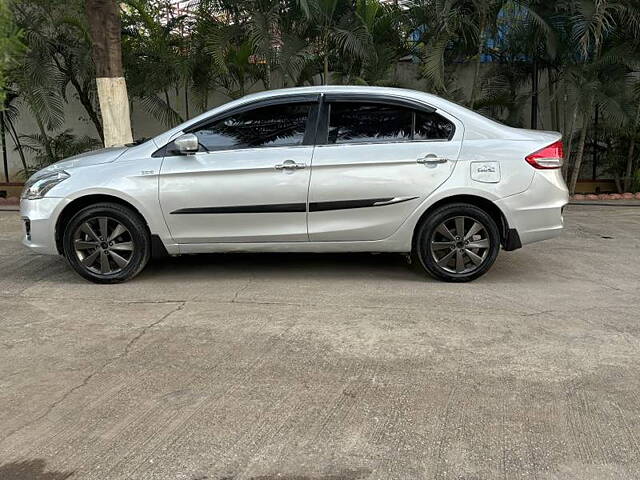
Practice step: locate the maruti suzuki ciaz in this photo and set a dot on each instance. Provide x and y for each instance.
(312, 169)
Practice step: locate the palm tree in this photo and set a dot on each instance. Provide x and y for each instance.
(53, 148)
(335, 29)
(231, 56)
(634, 133)
(58, 33)
(502, 95)
(593, 24)
(10, 44)
(385, 45)
(486, 14)
(151, 58)
(10, 112)
(38, 81)
(444, 31)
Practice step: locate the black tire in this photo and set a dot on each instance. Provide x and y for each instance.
(436, 249)
(132, 246)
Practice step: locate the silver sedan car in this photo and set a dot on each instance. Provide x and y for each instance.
(313, 169)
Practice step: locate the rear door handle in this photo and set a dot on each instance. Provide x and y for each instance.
(289, 165)
(431, 160)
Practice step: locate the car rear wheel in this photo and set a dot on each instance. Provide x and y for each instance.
(457, 243)
(107, 243)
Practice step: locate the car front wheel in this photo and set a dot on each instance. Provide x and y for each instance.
(457, 243)
(107, 243)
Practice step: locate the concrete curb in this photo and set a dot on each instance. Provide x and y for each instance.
(611, 203)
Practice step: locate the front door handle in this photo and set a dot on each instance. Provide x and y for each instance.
(289, 165)
(431, 159)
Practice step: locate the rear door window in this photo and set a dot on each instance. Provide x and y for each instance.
(368, 122)
(431, 126)
(363, 122)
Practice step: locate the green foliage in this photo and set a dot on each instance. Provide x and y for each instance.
(46, 150)
(636, 181)
(481, 53)
(10, 45)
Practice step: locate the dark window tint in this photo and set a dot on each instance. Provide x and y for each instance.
(431, 126)
(275, 125)
(368, 122)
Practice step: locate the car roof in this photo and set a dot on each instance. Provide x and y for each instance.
(429, 99)
(361, 89)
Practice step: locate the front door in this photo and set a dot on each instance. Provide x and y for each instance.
(375, 162)
(248, 183)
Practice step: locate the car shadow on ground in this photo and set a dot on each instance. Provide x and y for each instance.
(31, 470)
(328, 266)
(289, 266)
(339, 265)
(36, 469)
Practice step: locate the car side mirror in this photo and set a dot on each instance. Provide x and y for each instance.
(186, 144)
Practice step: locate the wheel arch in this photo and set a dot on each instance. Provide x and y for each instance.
(79, 203)
(481, 202)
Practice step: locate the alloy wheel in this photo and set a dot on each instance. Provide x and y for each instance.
(103, 245)
(460, 245)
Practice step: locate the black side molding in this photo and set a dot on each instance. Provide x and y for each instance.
(272, 208)
(364, 203)
(512, 240)
(295, 207)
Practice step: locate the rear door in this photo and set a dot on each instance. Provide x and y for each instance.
(376, 159)
(249, 182)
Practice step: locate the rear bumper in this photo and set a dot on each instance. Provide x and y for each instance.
(536, 213)
(40, 216)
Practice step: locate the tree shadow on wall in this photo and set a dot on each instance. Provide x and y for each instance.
(30, 470)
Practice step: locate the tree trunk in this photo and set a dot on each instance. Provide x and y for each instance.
(325, 75)
(534, 95)
(167, 100)
(565, 104)
(556, 104)
(632, 146)
(45, 139)
(104, 26)
(85, 100)
(16, 140)
(565, 165)
(553, 102)
(83, 95)
(616, 179)
(580, 152)
(186, 100)
(3, 134)
(476, 73)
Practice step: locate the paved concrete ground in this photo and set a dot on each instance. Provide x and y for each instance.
(303, 367)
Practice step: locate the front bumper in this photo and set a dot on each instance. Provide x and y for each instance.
(40, 216)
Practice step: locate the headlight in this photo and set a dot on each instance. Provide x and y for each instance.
(38, 187)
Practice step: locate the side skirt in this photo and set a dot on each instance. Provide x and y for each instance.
(311, 247)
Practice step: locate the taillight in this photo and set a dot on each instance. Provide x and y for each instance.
(547, 157)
